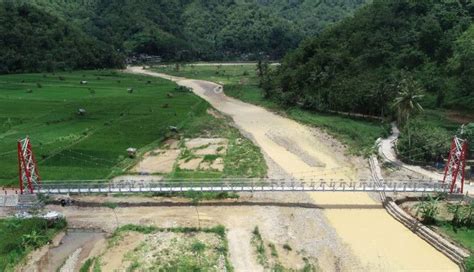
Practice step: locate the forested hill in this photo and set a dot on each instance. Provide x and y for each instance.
(362, 63)
(185, 29)
(33, 40)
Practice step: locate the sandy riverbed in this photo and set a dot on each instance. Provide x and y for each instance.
(378, 241)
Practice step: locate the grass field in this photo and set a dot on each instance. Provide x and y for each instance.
(225, 74)
(122, 111)
(463, 236)
(241, 82)
(20, 236)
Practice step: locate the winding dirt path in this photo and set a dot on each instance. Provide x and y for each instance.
(379, 242)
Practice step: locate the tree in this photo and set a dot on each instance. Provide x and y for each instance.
(407, 103)
(265, 80)
(421, 142)
(462, 63)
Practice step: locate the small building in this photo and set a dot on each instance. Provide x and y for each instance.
(83, 82)
(81, 112)
(132, 152)
(173, 129)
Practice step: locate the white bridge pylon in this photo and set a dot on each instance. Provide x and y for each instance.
(236, 186)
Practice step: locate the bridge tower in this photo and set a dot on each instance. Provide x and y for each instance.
(456, 165)
(27, 167)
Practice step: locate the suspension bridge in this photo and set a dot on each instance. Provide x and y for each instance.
(246, 185)
(30, 181)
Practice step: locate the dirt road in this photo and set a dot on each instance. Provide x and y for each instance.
(378, 241)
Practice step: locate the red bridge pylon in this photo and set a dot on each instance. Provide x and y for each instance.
(456, 164)
(27, 167)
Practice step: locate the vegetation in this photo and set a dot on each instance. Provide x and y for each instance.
(53, 35)
(21, 236)
(190, 252)
(421, 142)
(453, 219)
(359, 64)
(73, 146)
(407, 103)
(428, 210)
(86, 267)
(34, 40)
(257, 241)
(193, 195)
(267, 255)
(242, 158)
(68, 145)
(242, 82)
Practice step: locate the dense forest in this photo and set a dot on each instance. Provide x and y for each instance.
(392, 59)
(33, 40)
(362, 63)
(70, 34)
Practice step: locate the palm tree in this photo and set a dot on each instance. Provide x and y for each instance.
(407, 102)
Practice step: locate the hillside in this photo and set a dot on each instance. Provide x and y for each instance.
(360, 64)
(34, 40)
(179, 30)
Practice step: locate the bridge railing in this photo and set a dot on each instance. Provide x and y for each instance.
(243, 185)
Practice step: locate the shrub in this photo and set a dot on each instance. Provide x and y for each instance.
(287, 247)
(198, 247)
(219, 230)
(420, 142)
(428, 210)
(469, 263)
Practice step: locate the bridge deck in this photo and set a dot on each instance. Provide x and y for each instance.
(170, 187)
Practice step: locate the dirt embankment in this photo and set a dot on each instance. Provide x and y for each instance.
(377, 241)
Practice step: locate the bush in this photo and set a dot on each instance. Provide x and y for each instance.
(198, 247)
(428, 210)
(20, 236)
(420, 142)
(469, 263)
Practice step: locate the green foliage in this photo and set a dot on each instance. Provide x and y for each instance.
(65, 142)
(463, 236)
(421, 142)
(194, 29)
(87, 265)
(273, 250)
(20, 236)
(219, 229)
(264, 77)
(463, 214)
(110, 205)
(35, 41)
(467, 132)
(198, 247)
(194, 255)
(257, 241)
(359, 135)
(356, 65)
(462, 67)
(199, 196)
(407, 101)
(469, 263)
(428, 210)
